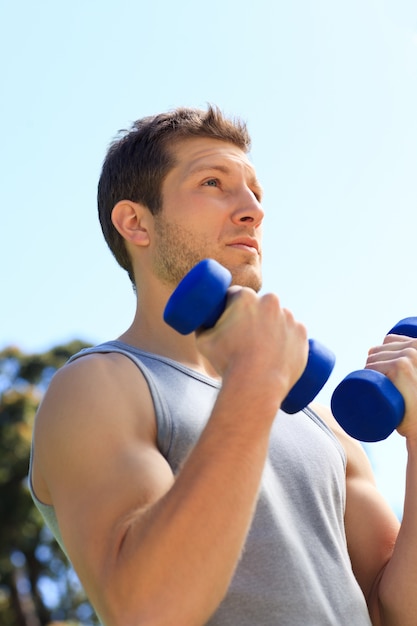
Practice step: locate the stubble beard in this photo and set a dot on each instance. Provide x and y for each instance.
(178, 250)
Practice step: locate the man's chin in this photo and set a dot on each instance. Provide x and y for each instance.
(247, 276)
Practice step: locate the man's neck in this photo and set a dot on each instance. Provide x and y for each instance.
(158, 338)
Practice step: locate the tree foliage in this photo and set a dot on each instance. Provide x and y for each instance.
(37, 584)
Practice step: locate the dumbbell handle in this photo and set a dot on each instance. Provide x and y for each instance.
(366, 403)
(200, 299)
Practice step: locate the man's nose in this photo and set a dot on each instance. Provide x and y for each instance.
(248, 208)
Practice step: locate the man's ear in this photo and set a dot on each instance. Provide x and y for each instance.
(131, 220)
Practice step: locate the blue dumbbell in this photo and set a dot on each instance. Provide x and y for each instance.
(366, 403)
(200, 299)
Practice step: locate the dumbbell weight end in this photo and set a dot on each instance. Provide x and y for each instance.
(319, 366)
(199, 299)
(367, 405)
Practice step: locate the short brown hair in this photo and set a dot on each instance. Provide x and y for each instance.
(138, 161)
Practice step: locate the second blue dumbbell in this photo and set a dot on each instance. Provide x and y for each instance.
(366, 403)
(200, 299)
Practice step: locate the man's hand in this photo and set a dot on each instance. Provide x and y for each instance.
(397, 359)
(261, 341)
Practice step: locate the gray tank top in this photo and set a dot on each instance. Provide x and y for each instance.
(295, 568)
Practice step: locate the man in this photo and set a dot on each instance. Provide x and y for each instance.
(180, 492)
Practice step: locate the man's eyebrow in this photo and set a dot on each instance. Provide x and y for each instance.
(214, 166)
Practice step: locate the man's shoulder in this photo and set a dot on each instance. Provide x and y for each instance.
(97, 399)
(93, 367)
(90, 391)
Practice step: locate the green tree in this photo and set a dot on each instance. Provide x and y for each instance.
(37, 584)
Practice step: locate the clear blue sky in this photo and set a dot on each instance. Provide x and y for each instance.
(329, 91)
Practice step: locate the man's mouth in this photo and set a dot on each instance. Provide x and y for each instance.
(245, 243)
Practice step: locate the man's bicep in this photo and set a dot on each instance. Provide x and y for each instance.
(371, 531)
(370, 524)
(95, 447)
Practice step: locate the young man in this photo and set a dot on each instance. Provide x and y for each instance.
(178, 489)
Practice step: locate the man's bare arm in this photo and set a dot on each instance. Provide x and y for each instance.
(149, 548)
(383, 553)
(397, 359)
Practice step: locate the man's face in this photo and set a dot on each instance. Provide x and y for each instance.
(210, 209)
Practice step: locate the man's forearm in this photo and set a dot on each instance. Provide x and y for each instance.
(398, 585)
(178, 556)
